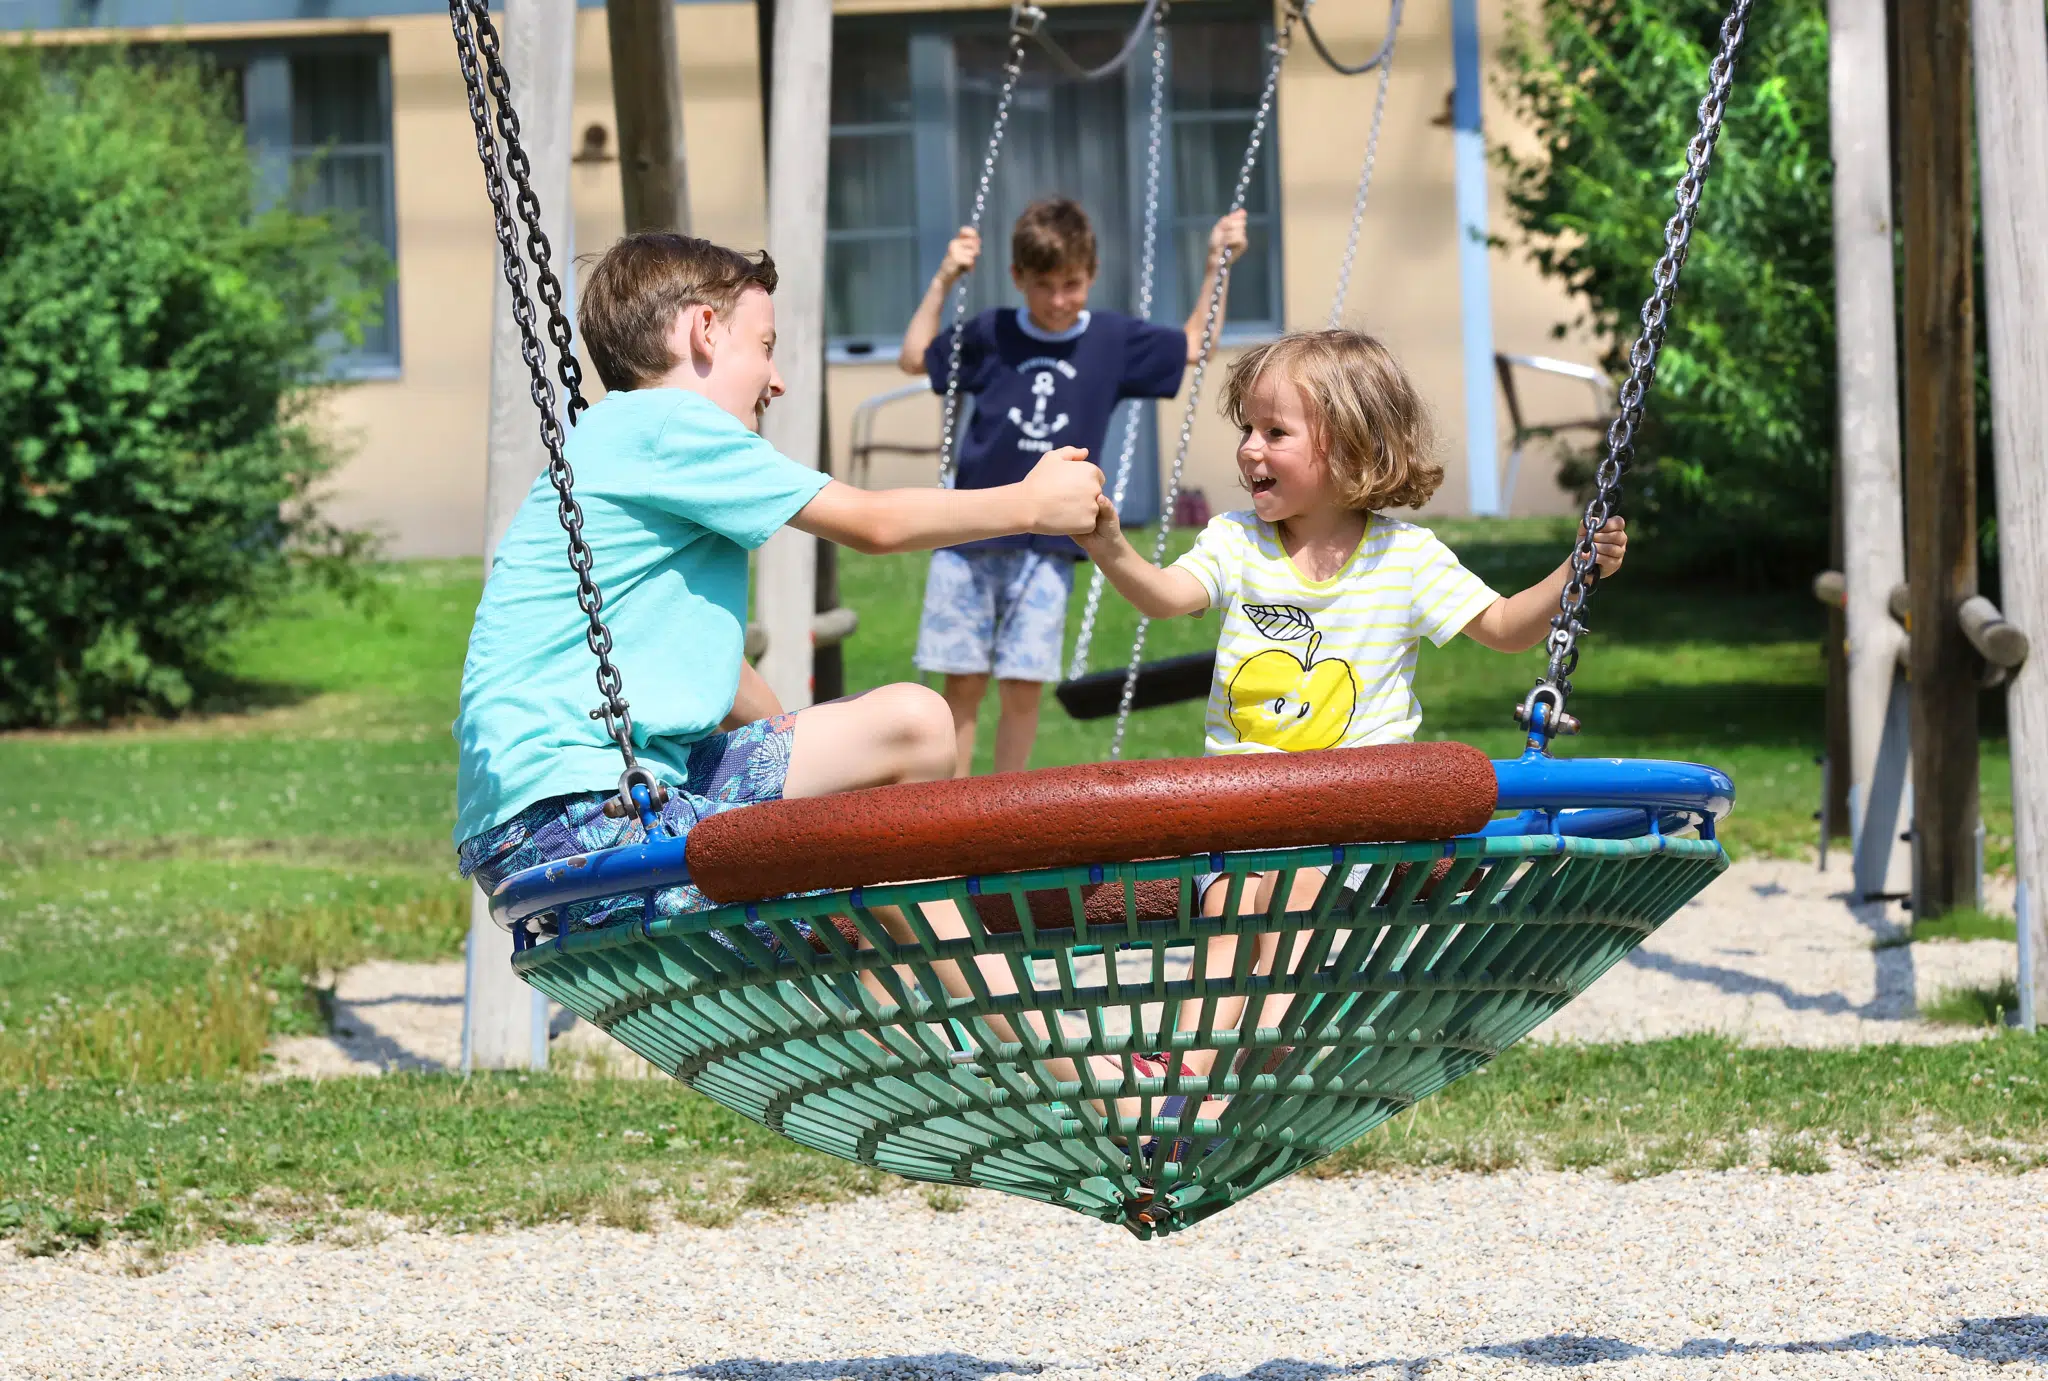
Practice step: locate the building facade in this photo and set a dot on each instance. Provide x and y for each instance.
(363, 99)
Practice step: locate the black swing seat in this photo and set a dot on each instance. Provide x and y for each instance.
(1165, 682)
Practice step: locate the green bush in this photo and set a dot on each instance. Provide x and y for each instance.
(161, 338)
(1735, 461)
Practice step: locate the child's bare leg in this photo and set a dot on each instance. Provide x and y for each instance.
(1221, 953)
(899, 733)
(1017, 726)
(963, 698)
(996, 975)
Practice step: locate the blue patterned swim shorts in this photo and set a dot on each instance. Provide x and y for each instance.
(994, 609)
(740, 768)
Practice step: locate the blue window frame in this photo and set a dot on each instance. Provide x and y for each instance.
(317, 112)
(913, 96)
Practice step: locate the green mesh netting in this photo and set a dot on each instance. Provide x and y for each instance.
(1014, 1055)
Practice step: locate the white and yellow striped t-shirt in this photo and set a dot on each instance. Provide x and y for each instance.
(1324, 663)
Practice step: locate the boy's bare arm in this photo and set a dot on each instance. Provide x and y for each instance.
(1518, 622)
(1226, 233)
(1057, 498)
(754, 699)
(924, 322)
(1155, 593)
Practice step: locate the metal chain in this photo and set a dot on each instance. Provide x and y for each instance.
(1294, 11)
(1024, 22)
(1372, 153)
(476, 45)
(1542, 713)
(546, 285)
(1147, 263)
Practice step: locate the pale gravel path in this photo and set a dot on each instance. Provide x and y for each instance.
(1917, 1272)
(1772, 954)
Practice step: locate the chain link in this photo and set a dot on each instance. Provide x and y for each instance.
(477, 51)
(1147, 262)
(1281, 41)
(1372, 153)
(1024, 22)
(1566, 627)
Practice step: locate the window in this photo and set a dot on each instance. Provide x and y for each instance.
(871, 199)
(912, 101)
(318, 116)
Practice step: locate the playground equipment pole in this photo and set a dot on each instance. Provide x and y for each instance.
(1475, 271)
(1873, 524)
(2009, 39)
(647, 100)
(1941, 472)
(799, 142)
(504, 1022)
(828, 658)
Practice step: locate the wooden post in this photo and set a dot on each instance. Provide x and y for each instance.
(504, 1022)
(798, 147)
(1873, 529)
(2010, 38)
(647, 100)
(1941, 471)
(828, 660)
(1835, 772)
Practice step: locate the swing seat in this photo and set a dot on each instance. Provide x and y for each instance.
(1466, 901)
(1167, 681)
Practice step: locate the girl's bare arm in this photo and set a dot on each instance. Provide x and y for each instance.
(1156, 593)
(1518, 622)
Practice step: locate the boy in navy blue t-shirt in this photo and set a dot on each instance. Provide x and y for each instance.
(1047, 375)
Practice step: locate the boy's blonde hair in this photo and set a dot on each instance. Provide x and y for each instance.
(631, 299)
(1365, 415)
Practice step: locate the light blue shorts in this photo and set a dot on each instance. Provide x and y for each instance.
(995, 610)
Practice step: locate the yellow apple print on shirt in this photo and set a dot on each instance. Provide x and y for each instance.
(1287, 702)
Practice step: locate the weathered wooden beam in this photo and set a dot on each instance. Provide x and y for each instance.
(829, 628)
(504, 1022)
(1940, 449)
(1867, 412)
(647, 101)
(2012, 163)
(1997, 639)
(798, 156)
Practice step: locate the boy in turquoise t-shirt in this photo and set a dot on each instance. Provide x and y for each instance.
(676, 486)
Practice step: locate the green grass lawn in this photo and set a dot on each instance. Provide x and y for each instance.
(168, 1162)
(174, 895)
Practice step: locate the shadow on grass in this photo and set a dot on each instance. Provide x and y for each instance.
(1776, 716)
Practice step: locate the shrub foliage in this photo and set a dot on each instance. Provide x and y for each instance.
(160, 336)
(1735, 461)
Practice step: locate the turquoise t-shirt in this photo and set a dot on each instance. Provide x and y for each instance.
(675, 492)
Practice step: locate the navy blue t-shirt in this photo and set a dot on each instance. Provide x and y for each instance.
(1035, 391)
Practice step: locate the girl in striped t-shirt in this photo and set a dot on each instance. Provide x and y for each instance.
(1325, 598)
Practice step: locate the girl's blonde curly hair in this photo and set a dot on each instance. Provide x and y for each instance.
(1366, 417)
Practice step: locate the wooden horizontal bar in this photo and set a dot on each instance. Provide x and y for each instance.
(828, 629)
(2000, 643)
(1997, 640)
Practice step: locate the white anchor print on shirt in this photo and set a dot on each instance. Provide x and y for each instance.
(1037, 427)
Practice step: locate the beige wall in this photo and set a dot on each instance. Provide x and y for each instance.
(415, 443)
(416, 469)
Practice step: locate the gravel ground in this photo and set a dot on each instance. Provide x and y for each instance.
(1772, 953)
(1909, 1273)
